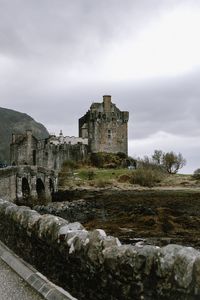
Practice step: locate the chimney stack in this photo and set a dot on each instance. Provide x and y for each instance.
(107, 103)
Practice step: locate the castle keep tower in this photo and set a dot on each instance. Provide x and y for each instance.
(106, 127)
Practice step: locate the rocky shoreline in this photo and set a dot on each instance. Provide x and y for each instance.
(155, 217)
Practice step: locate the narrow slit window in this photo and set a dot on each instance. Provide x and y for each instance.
(109, 134)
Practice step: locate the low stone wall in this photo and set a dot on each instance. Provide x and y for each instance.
(92, 265)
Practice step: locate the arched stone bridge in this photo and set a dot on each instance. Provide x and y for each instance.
(27, 184)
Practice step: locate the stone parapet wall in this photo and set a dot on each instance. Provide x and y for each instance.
(92, 265)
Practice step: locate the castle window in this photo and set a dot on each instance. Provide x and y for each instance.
(109, 134)
(34, 157)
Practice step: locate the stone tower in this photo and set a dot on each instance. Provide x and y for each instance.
(23, 149)
(106, 127)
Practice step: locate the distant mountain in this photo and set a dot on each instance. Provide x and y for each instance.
(12, 121)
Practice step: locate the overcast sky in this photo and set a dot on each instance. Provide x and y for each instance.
(58, 56)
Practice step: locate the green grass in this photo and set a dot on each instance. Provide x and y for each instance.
(101, 177)
(105, 174)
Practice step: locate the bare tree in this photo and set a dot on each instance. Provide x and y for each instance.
(173, 162)
(169, 162)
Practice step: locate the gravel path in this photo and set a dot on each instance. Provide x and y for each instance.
(13, 287)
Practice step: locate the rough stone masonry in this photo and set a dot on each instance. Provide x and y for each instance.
(92, 265)
(106, 127)
(29, 184)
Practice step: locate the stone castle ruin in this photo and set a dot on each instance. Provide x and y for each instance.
(105, 127)
(49, 153)
(102, 129)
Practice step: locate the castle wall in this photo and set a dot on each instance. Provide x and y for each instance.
(52, 156)
(107, 135)
(8, 188)
(22, 149)
(49, 153)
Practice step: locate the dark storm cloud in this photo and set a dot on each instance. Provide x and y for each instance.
(47, 28)
(66, 28)
(39, 38)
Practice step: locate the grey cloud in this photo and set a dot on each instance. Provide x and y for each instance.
(170, 105)
(44, 40)
(69, 29)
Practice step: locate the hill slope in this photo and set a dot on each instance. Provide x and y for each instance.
(12, 121)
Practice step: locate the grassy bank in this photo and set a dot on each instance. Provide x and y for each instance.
(122, 178)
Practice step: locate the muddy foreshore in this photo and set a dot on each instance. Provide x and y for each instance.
(150, 216)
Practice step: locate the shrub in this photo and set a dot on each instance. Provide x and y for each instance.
(90, 175)
(97, 159)
(196, 174)
(121, 155)
(110, 160)
(146, 177)
(110, 166)
(101, 183)
(173, 162)
(124, 178)
(170, 161)
(69, 164)
(147, 164)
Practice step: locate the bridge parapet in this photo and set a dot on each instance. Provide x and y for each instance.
(93, 265)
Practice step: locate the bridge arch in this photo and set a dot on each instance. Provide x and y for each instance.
(40, 188)
(27, 185)
(25, 188)
(51, 186)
